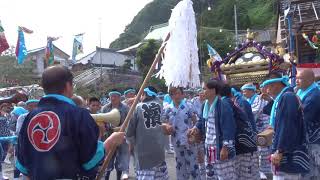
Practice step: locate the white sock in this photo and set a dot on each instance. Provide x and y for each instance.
(262, 175)
(8, 156)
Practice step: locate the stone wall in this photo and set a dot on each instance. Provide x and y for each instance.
(89, 82)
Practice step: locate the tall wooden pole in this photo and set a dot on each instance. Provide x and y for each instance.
(133, 107)
(236, 24)
(100, 49)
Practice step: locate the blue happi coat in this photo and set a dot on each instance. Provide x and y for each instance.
(59, 140)
(268, 107)
(247, 108)
(246, 126)
(225, 127)
(290, 135)
(311, 109)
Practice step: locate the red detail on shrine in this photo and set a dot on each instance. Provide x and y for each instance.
(309, 65)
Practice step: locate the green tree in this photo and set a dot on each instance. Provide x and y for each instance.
(145, 56)
(253, 14)
(20, 74)
(127, 64)
(156, 12)
(222, 42)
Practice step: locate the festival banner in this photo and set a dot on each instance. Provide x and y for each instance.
(77, 46)
(3, 41)
(50, 50)
(213, 53)
(21, 50)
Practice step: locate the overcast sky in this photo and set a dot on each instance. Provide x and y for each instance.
(67, 18)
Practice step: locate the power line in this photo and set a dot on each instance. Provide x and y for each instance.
(241, 30)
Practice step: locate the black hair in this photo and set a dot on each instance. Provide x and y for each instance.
(214, 84)
(226, 90)
(78, 100)
(93, 99)
(153, 89)
(274, 74)
(55, 78)
(116, 90)
(149, 98)
(129, 88)
(173, 89)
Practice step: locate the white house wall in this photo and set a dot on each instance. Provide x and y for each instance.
(40, 64)
(110, 58)
(87, 58)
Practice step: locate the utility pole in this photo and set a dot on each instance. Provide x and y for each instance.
(236, 23)
(200, 46)
(100, 23)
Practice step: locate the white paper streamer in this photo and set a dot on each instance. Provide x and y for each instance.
(180, 63)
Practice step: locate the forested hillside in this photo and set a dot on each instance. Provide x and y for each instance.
(254, 14)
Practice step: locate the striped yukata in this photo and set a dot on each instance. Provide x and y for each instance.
(262, 122)
(314, 152)
(247, 161)
(247, 166)
(156, 173)
(286, 176)
(264, 152)
(216, 169)
(264, 160)
(197, 104)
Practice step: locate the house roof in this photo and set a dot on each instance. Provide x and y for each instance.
(84, 60)
(303, 13)
(91, 55)
(110, 50)
(261, 36)
(158, 32)
(131, 48)
(34, 51)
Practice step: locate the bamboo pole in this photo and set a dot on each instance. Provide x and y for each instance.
(133, 107)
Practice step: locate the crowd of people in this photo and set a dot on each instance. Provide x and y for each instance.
(211, 131)
(11, 119)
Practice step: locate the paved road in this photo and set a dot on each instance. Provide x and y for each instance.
(8, 169)
(171, 163)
